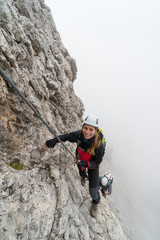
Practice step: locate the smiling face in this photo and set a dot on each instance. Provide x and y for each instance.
(88, 131)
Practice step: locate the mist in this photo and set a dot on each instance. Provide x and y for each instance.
(116, 47)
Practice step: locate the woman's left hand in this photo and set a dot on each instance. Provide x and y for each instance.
(82, 163)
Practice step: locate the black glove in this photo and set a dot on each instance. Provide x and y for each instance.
(82, 163)
(51, 143)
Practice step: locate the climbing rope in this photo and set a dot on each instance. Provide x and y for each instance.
(6, 78)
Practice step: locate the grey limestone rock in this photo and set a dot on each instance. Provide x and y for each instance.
(43, 200)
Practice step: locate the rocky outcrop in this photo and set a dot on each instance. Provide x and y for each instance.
(44, 199)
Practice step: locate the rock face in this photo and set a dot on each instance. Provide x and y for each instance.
(44, 200)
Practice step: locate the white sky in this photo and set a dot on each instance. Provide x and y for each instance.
(116, 45)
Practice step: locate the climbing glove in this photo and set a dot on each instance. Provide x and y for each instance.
(51, 143)
(82, 163)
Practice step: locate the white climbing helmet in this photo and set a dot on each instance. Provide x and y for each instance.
(91, 120)
(104, 181)
(108, 175)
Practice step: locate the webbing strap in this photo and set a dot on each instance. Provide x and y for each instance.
(6, 78)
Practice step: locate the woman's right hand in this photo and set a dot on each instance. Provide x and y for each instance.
(50, 144)
(44, 146)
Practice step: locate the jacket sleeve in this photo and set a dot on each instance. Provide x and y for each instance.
(71, 137)
(109, 188)
(97, 158)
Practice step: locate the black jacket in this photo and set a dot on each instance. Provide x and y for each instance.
(78, 137)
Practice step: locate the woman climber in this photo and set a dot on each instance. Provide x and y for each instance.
(89, 153)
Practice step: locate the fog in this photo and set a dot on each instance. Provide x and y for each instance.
(117, 51)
